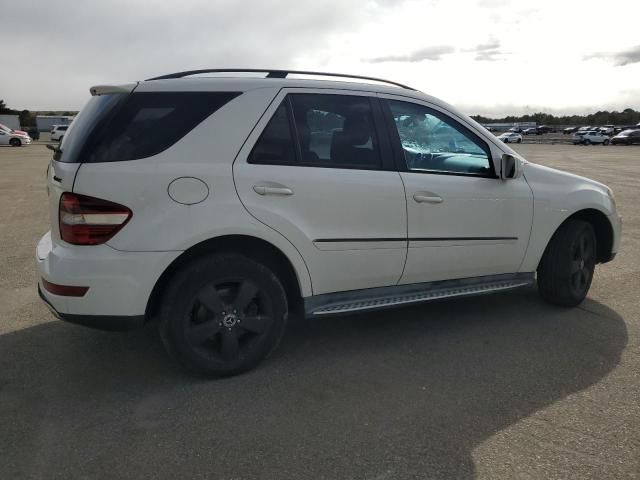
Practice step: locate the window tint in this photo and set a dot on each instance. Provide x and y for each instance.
(335, 131)
(275, 145)
(118, 127)
(432, 142)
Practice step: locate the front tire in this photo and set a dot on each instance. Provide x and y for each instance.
(606, 142)
(223, 314)
(14, 142)
(519, 140)
(566, 269)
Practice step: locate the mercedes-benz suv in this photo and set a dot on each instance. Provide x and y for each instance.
(219, 207)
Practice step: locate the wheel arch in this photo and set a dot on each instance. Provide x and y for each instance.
(602, 227)
(252, 247)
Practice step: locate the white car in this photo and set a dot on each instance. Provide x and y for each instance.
(219, 207)
(509, 137)
(58, 131)
(590, 137)
(15, 138)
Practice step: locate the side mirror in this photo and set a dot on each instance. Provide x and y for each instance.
(508, 166)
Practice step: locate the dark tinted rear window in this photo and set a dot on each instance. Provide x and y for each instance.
(119, 127)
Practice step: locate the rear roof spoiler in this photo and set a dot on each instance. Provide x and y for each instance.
(104, 89)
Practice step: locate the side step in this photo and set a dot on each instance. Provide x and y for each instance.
(385, 297)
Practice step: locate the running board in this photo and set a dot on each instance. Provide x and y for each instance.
(397, 295)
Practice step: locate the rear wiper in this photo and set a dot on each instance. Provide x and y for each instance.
(57, 151)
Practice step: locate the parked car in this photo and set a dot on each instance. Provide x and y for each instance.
(589, 137)
(508, 137)
(515, 130)
(15, 138)
(220, 207)
(530, 131)
(58, 131)
(607, 129)
(541, 129)
(4, 128)
(627, 137)
(569, 130)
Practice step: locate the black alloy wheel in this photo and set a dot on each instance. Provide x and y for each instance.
(583, 262)
(566, 269)
(228, 318)
(223, 314)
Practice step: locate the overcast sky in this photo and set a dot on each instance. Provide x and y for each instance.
(486, 56)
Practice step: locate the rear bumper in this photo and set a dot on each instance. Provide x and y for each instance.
(120, 283)
(101, 322)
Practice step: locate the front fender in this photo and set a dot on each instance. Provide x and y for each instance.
(557, 196)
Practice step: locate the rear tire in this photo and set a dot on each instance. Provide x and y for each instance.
(14, 142)
(606, 142)
(223, 314)
(519, 141)
(566, 269)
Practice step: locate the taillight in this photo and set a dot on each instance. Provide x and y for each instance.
(86, 220)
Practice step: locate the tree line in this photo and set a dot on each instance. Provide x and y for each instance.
(628, 116)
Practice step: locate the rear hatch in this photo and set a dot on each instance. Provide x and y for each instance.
(68, 158)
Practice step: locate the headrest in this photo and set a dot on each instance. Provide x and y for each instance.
(356, 130)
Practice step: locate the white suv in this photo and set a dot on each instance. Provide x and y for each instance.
(590, 137)
(218, 206)
(58, 131)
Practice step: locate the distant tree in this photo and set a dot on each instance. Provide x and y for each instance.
(628, 116)
(27, 119)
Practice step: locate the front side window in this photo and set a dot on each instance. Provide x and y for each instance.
(432, 142)
(335, 131)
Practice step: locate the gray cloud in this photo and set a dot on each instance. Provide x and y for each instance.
(60, 52)
(487, 52)
(427, 53)
(619, 59)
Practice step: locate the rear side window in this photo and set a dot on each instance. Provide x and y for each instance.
(119, 127)
(335, 131)
(276, 146)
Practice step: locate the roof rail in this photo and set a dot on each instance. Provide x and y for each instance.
(274, 74)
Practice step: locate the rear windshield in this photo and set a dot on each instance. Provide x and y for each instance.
(118, 127)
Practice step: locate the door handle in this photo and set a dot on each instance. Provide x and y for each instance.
(423, 198)
(268, 190)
